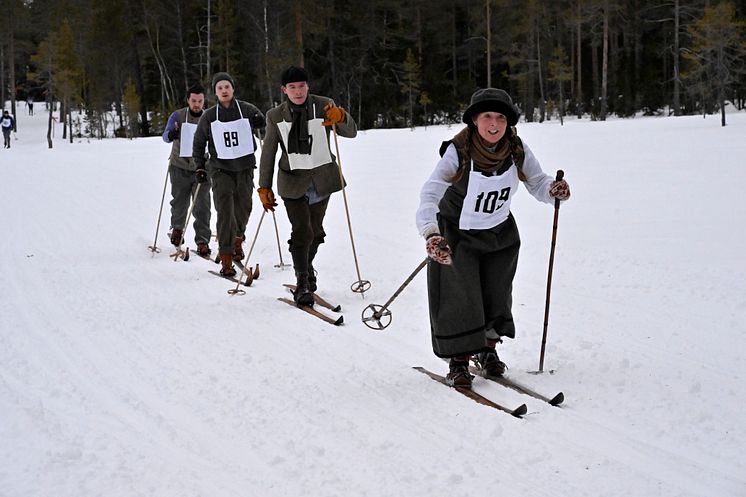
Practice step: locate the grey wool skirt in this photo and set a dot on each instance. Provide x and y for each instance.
(473, 294)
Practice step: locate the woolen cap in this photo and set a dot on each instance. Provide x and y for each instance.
(293, 74)
(491, 99)
(222, 76)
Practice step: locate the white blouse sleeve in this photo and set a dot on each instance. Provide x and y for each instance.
(433, 190)
(537, 181)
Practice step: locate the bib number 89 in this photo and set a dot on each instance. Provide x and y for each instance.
(489, 204)
(231, 138)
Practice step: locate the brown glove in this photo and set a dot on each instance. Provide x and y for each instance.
(267, 197)
(334, 114)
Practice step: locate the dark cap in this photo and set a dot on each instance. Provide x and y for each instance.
(491, 99)
(222, 76)
(293, 74)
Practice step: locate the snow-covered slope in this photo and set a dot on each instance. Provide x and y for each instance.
(127, 374)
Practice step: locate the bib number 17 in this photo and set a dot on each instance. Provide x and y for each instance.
(231, 138)
(488, 204)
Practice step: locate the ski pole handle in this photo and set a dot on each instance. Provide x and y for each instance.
(559, 177)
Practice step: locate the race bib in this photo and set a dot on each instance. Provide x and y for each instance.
(186, 139)
(232, 139)
(487, 201)
(320, 153)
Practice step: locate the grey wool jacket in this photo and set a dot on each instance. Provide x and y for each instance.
(295, 183)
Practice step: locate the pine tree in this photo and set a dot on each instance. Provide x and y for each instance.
(716, 57)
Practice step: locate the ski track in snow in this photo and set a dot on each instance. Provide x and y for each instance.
(126, 373)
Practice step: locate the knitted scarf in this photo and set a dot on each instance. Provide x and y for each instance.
(471, 147)
(299, 142)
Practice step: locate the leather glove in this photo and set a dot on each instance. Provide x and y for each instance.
(334, 114)
(559, 190)
(267, 197)
(200, 175)
(174, 133)
(438, 250)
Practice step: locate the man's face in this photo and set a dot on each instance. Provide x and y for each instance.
(297, 92)
(224, 92)
(196, 102)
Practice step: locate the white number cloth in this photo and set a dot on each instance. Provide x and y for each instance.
(320, 154)
(232, 139)
(487, 201)
(186, 139)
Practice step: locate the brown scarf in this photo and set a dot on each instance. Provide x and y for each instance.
(471, 147)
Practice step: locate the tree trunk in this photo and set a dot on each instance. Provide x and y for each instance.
(63, 115)
(70, 119)
(2, 75)
(489, 46)
(12, 66)
(140, 85)
(267, 78)
(454, 60)
(298, 11)
(542, 96)
(180, 27)
(605, 63)
(676, 49)
(49, 127)
(579, 67)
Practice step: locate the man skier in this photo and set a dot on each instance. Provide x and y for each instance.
(308, 173)
(184, 180)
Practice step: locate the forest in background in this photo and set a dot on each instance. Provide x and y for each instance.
(126, 64)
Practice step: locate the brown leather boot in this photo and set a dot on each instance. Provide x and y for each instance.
(458, 373)
(238, 254)
(226, 260)
(177, 236)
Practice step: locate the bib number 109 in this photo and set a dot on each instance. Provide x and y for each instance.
(231, 138)
(488, 204)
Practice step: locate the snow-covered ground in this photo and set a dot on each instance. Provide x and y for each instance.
(127, 374)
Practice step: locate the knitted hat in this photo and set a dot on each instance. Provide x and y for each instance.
(222, 76)
(491, 99)
(293, 74)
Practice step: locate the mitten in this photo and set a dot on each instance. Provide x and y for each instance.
(267, 197)
(559, 190)
(200, 175)
(334, 114)
(438, 250)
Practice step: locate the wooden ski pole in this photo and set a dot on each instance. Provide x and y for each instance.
(281, 265)
(375, 313)
(361, 285)
(560, 175)
(154, 248)
(235, 291)
(179, 252)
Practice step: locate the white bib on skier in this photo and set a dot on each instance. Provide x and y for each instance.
(232, 139)
(186, 139)
(487, 201)
(319, 155)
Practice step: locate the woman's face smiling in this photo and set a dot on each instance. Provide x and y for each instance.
(491, 126)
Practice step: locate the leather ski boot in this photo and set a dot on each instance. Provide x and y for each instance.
(302, 295)
(177, 237)
(238, 254)
(226, 261)
(458, 373)
(490, 363)
(203, 249)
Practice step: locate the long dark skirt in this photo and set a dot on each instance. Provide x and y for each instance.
(473, 294)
